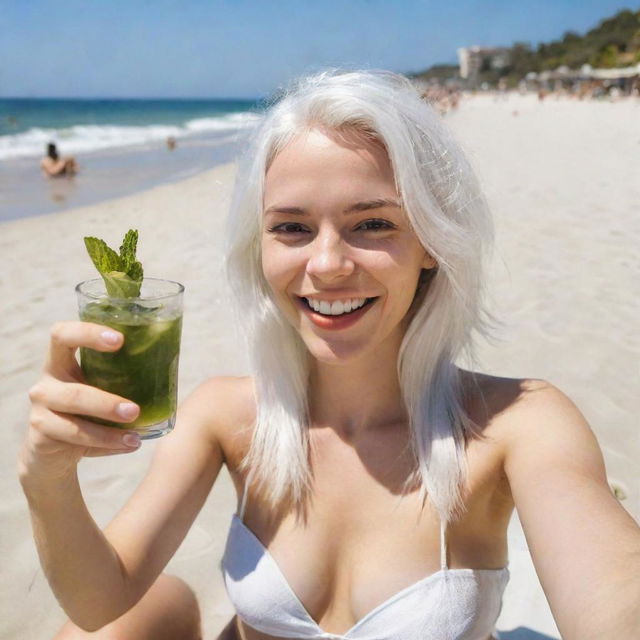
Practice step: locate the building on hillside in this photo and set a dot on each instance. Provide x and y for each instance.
(475, 59)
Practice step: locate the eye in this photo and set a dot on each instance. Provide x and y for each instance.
(287, 228)
(376, 224)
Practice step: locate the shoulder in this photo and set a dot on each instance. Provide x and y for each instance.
(517, 406)
(539, 430)
(536, 414)
(545, 429)
(235, 394)
(225, 409)
(531, 420)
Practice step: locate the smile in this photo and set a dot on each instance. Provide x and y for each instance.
(336, 307)
(335, 314)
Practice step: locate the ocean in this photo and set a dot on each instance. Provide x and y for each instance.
(80, 126)
(120, 146)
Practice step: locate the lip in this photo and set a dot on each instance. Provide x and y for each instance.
(334, 295)
(334, 323)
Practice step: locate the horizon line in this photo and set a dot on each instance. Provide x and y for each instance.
(185, 98)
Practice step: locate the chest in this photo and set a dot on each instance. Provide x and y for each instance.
(365, 537)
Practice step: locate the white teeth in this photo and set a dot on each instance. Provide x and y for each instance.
(336, 308)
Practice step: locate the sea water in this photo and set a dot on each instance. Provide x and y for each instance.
(81, 126)
(120, 145)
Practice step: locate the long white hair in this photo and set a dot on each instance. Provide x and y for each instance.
(444, 204)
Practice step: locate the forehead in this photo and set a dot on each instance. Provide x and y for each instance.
(347, 160)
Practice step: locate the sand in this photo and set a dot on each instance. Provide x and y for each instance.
(561, 178)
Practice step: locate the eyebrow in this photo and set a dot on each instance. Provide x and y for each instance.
(365, 205)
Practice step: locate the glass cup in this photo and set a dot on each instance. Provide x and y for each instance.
(145, 369)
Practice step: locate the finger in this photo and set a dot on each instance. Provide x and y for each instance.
(66, 337)
(82, 400)
(56, 431)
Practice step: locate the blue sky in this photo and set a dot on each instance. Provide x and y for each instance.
(247, 48)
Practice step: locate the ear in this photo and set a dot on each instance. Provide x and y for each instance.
(429, 262)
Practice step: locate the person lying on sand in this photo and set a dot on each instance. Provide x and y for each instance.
(54, 166)
(375, 477)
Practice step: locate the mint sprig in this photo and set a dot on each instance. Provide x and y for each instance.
(121, 272)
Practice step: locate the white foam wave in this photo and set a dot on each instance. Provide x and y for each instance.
(85, 138)
(224, 123)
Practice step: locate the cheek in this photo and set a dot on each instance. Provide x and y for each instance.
(400, 268)
(403, 278)
(277, 267)
(269, 265)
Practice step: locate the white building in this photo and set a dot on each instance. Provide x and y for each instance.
(473, 59)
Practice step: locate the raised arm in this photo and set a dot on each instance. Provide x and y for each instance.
(584, 545)
(98, 576)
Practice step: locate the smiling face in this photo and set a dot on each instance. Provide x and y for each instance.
(337, 249)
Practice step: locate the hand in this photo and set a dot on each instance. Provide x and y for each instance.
(58, 437)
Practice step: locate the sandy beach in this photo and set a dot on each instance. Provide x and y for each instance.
(561, 178)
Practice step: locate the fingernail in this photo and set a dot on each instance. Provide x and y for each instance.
(127, 410)
(131, 440)
(110, 337)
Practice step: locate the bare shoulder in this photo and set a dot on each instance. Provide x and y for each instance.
(515, 407)
(537, 415)
(225, 407)
(537, 427)
(545, 425)
(530, 419)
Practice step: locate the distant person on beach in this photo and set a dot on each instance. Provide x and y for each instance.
(55, 166)
(171, 143)
(375, 476)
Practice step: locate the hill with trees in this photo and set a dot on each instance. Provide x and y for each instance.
(614, 42)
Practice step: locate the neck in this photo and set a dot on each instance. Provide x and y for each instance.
(359, 396)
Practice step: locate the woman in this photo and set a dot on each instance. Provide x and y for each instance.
(53, 166)
(375, 478)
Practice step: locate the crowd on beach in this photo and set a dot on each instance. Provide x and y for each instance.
(592, 91)
(443, 99)
(446, 99)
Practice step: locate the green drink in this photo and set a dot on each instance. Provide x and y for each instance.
(148, 312)
(145, 369)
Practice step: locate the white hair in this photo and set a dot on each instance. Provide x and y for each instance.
(444, 204)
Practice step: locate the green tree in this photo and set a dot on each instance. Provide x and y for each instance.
(607, 58)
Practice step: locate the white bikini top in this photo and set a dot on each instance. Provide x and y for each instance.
(451, 604)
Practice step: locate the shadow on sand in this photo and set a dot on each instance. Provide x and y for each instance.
(524, 633)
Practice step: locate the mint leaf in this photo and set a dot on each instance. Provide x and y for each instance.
(135, 272)
(104, 258)
(120, 285)
(128, 250)
(121, 273)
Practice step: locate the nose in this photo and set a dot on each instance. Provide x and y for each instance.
(329, 257)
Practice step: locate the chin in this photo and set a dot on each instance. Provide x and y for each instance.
(335, 352)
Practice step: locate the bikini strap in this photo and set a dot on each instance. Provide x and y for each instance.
(245, 493)
(443, 546)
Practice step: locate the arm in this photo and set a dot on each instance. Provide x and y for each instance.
(584, 545)
(52, 167)
(95, 576)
